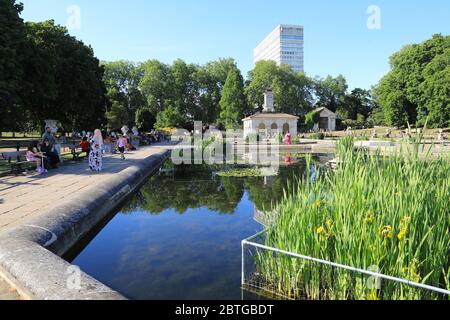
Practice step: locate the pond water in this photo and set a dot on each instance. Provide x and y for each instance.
(180, 236)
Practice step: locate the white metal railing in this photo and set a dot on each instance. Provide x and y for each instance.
(249, 242)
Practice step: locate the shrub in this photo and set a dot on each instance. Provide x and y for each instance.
(318, 136)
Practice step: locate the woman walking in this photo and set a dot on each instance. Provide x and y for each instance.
(96, 156)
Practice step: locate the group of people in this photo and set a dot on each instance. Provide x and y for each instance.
(94, 147)
(45, 152)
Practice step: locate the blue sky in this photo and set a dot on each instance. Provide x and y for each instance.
(337, 39)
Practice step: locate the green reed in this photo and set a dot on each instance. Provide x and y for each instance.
(389, 214)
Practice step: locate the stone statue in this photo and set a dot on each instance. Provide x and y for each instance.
(135, 131)
(52, 124)
(406, 134)
(388, 133)
(348, 132)
(269, 101)
(441, 136)
(374, 134)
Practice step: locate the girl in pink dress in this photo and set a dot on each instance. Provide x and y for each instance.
(33, 155)
(287, 139)
(121, 145)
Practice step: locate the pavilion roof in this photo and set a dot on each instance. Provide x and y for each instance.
(267, 115)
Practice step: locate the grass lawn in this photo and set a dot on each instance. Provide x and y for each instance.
(18, 135)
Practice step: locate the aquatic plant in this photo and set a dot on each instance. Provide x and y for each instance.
(389, 214)
(247, 172)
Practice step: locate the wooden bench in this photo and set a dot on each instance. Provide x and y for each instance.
(17, 166)
(76, 153)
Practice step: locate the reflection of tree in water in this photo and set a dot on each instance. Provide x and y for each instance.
(190, 187)
(266, 193)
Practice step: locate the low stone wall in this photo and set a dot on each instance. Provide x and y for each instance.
(30, 254)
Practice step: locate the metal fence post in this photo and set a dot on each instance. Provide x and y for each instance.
(243, 263)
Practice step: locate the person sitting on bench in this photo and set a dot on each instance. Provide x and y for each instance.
(33, 154)
(53, 158)
(85, 146)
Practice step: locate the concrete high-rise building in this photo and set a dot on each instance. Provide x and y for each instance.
(284, 45)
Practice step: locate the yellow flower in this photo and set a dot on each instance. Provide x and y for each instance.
(405, 222)
(397, 194)
(386, 232)
(329, 223)
(401, 234)
(317, 204)
(321, 230)
(369, 218)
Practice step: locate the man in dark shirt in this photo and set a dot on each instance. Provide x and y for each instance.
(52, 157)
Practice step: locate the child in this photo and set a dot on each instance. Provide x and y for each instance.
(121, 144)
(33, 154)
(287, 139)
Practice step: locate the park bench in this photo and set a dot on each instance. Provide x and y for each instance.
(76, 152)
(18, 166)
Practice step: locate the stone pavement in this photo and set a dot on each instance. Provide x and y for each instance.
(25, 197)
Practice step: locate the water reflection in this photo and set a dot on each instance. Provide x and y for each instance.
(197, 186)
(180, 236)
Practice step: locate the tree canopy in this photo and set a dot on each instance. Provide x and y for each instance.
(122, 79)
(416, 88)
(12, 38)
(232, 103)
(45, 73)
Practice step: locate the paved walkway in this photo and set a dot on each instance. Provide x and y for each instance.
(25, 197)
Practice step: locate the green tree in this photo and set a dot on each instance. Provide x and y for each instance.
(416, 86)
(145, 119)
(210, 80)
(184, 89)
(331, 93)
(156, 84)
(434, 90)
(293, 92)
(358, 106)
(232, 103)
(122, 80)
(115, 115)
(12, 38)
(64, 80)
(170, 117)
(261, 78)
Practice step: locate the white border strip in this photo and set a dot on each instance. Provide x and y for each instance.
(333, 264)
